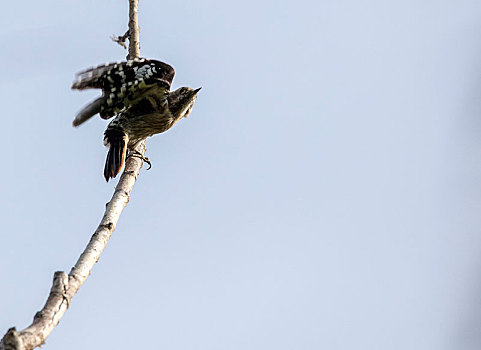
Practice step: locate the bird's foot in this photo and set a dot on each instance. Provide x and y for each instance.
(141, 156)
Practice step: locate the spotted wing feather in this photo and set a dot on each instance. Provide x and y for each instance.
(124, 83)
(113, 76)
(91, 78)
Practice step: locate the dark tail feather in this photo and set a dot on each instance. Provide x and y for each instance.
(117, 140)
(88, 111)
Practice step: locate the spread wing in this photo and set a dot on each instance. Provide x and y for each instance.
(113, 76)
(123, 84)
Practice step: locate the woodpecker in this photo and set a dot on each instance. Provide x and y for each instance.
(153, 114)
(123, 84)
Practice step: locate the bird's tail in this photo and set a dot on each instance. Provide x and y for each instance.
(116, 139)
(89, 111)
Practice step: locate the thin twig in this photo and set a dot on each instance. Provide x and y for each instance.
(65, 286)
(121, 39)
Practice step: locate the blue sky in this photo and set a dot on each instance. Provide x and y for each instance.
(324, 193)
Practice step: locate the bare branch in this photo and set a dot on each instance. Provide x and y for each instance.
(134, 45)
(66, 286)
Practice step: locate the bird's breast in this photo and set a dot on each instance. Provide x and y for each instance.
(147, 125)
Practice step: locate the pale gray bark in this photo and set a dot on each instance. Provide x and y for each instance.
(134, 44)
(66, 286)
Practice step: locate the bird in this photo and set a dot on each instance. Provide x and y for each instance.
(155, 113)
(123, 84)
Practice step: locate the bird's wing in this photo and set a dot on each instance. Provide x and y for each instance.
(91, 78)
(111, 77)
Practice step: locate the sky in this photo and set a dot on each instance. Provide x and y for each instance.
(324, 193)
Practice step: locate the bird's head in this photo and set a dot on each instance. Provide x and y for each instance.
(182, 100)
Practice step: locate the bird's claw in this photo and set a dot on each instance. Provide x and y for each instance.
(141, 156)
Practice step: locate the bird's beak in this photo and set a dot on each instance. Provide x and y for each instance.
(197, 90)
